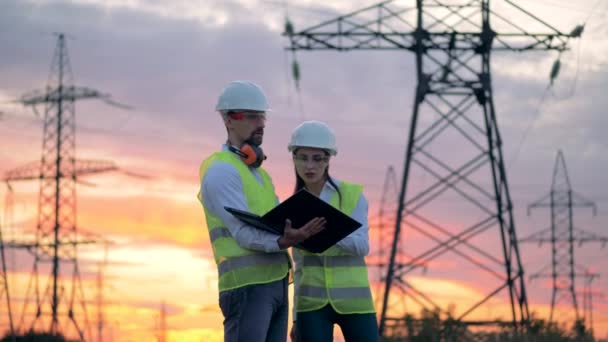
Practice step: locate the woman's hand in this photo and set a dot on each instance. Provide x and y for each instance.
(292, 236)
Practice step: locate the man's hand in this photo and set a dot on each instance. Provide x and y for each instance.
(292, 236)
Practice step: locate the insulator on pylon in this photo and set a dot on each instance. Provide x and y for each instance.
(295, 69)
(555, 70)
(577, 31)
(288, 27)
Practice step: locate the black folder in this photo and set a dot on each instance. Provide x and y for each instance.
(301, 208)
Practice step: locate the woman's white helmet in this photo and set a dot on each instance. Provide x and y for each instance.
(243, 95)
(315, 134)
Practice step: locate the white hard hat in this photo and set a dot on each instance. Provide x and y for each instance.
(315, 134)
(244, 95)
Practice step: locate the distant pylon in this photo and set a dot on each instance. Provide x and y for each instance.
(4, 289)
(101, 319)
(386, 210)
(59, 306)
(588, 295)
(562, 234)
(162, 324)
(384, 235)
(100, 303)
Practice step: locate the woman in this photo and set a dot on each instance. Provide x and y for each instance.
(331, 287)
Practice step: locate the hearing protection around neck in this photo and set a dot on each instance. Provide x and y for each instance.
(251, 154)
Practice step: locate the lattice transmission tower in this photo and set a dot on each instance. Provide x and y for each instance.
(454, 143)
(58, 304)
(563, 236)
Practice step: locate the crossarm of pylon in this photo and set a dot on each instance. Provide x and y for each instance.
(356, 31)
(580, 201)
(583, 272)
(540, 203)
(540, 236)
(31, 171)
(43, 250)
(65, 93)
(90, 166)
(28, 171)
(584, 236)
(512, 41)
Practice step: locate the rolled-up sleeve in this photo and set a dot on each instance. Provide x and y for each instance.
(222, 187)
(357, 243)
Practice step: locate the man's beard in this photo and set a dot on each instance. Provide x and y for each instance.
(257, 137)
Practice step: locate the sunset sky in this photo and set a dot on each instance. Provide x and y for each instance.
(169, 60)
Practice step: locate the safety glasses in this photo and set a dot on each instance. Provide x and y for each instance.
(316, 160)
(251, 116)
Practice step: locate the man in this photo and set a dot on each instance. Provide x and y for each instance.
(253, 266)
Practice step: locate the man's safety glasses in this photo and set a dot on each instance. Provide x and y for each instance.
(251, 116)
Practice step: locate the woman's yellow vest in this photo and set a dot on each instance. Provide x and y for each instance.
(237, 266)
(334, 276)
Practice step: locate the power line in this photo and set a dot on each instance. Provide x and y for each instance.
(561, 5)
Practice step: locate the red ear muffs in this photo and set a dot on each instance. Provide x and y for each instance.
(251, 155)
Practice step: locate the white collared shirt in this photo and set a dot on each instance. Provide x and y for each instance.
(357, 243)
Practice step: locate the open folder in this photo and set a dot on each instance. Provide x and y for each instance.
(301, 208)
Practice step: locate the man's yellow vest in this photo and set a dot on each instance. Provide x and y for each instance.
(334, 276)
(237, 266)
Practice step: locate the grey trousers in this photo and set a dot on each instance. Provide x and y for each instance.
(256, 313)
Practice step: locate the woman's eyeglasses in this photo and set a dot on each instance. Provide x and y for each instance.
(316, 159)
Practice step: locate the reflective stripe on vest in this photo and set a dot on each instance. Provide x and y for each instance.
(219, 232)
(334, 276)
(250, 260)
(237, 266)
(332, 261)
(334, 293)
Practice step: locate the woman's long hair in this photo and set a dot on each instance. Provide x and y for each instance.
(301, 185)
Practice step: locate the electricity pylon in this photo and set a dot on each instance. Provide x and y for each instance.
(562, 234)
(383, 234)
(588, 295)
(60, 305)
(162, 323)
(455, 142)
(4, 288)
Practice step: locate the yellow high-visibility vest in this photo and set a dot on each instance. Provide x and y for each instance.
(334, 276)
(238, 266)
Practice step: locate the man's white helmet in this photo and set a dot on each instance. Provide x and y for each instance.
(244, 95)
(315, 134)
